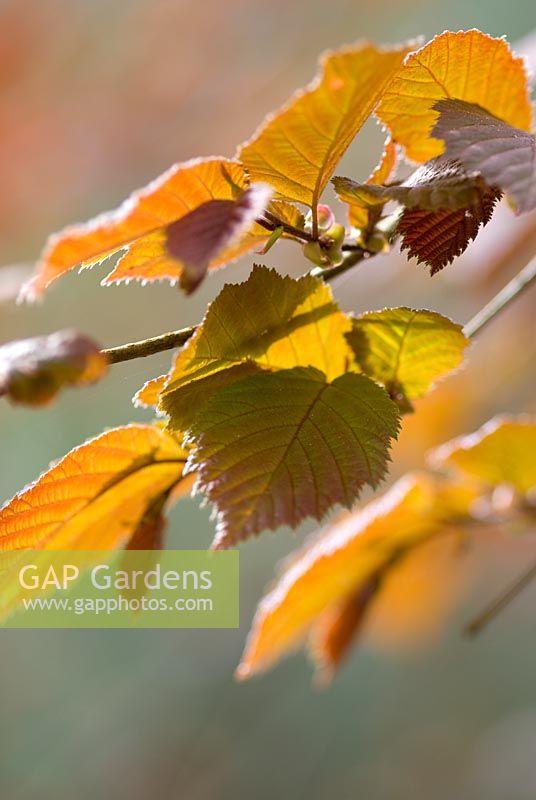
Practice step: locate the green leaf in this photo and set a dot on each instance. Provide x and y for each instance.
(273, 449)
(504, 155)
(269, 322)
(407, 350)
(502, 451)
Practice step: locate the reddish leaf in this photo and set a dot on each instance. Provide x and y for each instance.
(504, 155)
(197, 238)
(436, 238)
(275, 448)
(33, 371)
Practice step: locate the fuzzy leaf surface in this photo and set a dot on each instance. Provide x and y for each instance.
(275, 448)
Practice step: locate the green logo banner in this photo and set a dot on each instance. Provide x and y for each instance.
(125, 589)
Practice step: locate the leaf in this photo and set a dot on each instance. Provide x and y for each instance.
(502, 451)
(296, 149)
(325, 590)
(197, 238)
(504, 155)
(337, 628)
(268, 322)
(33, 371)
(468, 65)
(149, 535)
(148, 258)
(149, 394)
(360, 215)
(96, 497)
(436, 238)
(275, 448)
(140, 224)
(407, 350)
(337, 566)
(439, 184)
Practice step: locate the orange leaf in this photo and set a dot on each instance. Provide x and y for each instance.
(33, 371)
(142, 219)
(97, 495)
(296, 149)
(353, 549)
(340, 566)
(468, 65)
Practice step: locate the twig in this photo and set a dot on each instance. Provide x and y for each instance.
(491, 611)
(148, 347)
(168, 341)
(512, 290)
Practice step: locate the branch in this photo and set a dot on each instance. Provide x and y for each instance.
(489, 613)
(173, 339)
(512, 290)
(148, 347)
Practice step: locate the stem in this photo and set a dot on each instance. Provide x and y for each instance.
(271, 222)
(148, 347)
(489, 613)
(351, 259)
(512, 290)
(168, 341)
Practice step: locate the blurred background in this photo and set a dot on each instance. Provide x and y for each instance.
(97, 98)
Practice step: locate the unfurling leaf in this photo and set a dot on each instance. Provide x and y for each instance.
(99, 494)
(33, 371)
(140, 224)
(337, 566)
(407, 350)
(269, 322)
(505, 156)
(439, 184)
(468, 65)
(200, 236)
(502, 451)
(436, 238)
(275, 448)
(360, 214)
(298, 147)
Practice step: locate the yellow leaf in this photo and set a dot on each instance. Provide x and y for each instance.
(502, 451)
(407, 350)
(142, 219)
(268, 322)
(97, 495)
(296, 149)
(468, 65)
(149, 394)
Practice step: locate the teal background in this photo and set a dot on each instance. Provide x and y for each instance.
(96, 99)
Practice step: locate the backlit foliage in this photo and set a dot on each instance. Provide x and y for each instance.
(279, 406)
